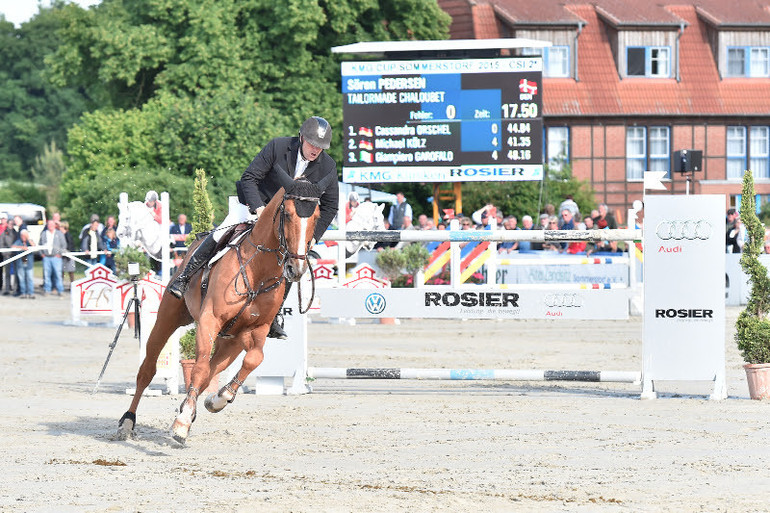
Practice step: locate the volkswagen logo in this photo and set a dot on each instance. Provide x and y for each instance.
(684, 230)
(375, 303)
(565, 300)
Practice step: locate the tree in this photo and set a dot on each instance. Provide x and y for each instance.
(203, 211)
(32, 111)
(186, 84)
(48, 170)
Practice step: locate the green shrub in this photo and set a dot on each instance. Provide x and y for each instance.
(128, 255)
(753, 327)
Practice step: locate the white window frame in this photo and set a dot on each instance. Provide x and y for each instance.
(754, 61)
(653, 54)
(557, 61)
(635, 135)
(557, 139)
(759, 152)
(660, 160)
(735, 151)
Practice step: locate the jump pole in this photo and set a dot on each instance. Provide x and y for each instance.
(474, 374)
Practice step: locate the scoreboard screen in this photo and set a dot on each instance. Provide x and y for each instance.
(442, 120)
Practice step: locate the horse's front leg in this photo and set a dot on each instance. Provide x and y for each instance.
(253, 343)
(225, 354)
(205, 335)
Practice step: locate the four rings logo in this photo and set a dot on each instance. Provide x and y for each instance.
(687, 229)
(568, 300)
(375, 303)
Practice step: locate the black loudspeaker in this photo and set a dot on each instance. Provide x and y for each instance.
(688, 161)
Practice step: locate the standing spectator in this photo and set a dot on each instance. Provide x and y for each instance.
(152, 202)
(92, 243)
(111, 246)
(56, 216)
(399, 211)
(731, 239)
(87, 226)
(55, 244)
(570, 204)
(180, 230)
(605, 219)
(68, 264)
(6, 241)
(111, 223)
(735, 236)
(25, 266)
(179, 233)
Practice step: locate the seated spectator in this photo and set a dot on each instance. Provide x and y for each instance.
(526, 224)
(553, 224)
(509, 223)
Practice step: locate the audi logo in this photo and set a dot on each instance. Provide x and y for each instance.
(375, 303)
(684, 230)
(568, 300)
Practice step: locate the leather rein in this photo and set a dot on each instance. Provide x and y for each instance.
(282, 254)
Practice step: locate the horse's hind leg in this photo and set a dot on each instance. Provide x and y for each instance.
(171, 315)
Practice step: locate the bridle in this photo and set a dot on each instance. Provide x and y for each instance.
(282, 254)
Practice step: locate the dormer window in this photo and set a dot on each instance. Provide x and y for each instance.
(748, 61)
(648, 61)
(555, 60)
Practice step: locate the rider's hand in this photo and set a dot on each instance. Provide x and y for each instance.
(258, 211)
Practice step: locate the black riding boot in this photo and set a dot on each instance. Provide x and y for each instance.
(202, 254)
(276, 329)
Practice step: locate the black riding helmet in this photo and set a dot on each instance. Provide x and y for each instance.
(317, 131)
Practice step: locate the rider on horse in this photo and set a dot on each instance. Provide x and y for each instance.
(301, 156)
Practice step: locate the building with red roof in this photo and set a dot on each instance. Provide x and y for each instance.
(626, 84)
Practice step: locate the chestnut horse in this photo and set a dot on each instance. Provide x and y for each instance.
(245, 290)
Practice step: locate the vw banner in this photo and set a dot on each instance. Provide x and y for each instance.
(684, 291)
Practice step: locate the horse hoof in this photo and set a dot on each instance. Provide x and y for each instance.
(126, 427)
(179, 431)
(217, 402)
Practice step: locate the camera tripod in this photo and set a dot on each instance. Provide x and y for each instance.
(133, 302)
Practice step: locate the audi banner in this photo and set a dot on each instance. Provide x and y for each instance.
(684, 290)
(475, 303)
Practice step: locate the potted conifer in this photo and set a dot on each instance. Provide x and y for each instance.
(753, 325)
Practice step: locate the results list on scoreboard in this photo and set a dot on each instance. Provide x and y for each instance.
(442, 120)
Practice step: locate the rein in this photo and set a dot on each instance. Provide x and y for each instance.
(282, 253)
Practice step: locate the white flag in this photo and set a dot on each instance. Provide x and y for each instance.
(652, 180)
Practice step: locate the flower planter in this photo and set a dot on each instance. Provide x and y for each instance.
(187, 366)
(758, 377)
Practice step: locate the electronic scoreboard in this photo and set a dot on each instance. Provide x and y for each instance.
(442, 120)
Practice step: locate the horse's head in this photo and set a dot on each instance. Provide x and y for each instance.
(367, 217)
(294, 225)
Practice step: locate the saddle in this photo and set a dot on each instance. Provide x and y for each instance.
(230, 239)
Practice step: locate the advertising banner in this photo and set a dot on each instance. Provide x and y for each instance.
(684, 291)
(475, 303)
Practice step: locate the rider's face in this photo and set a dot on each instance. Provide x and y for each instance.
(309, 151)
